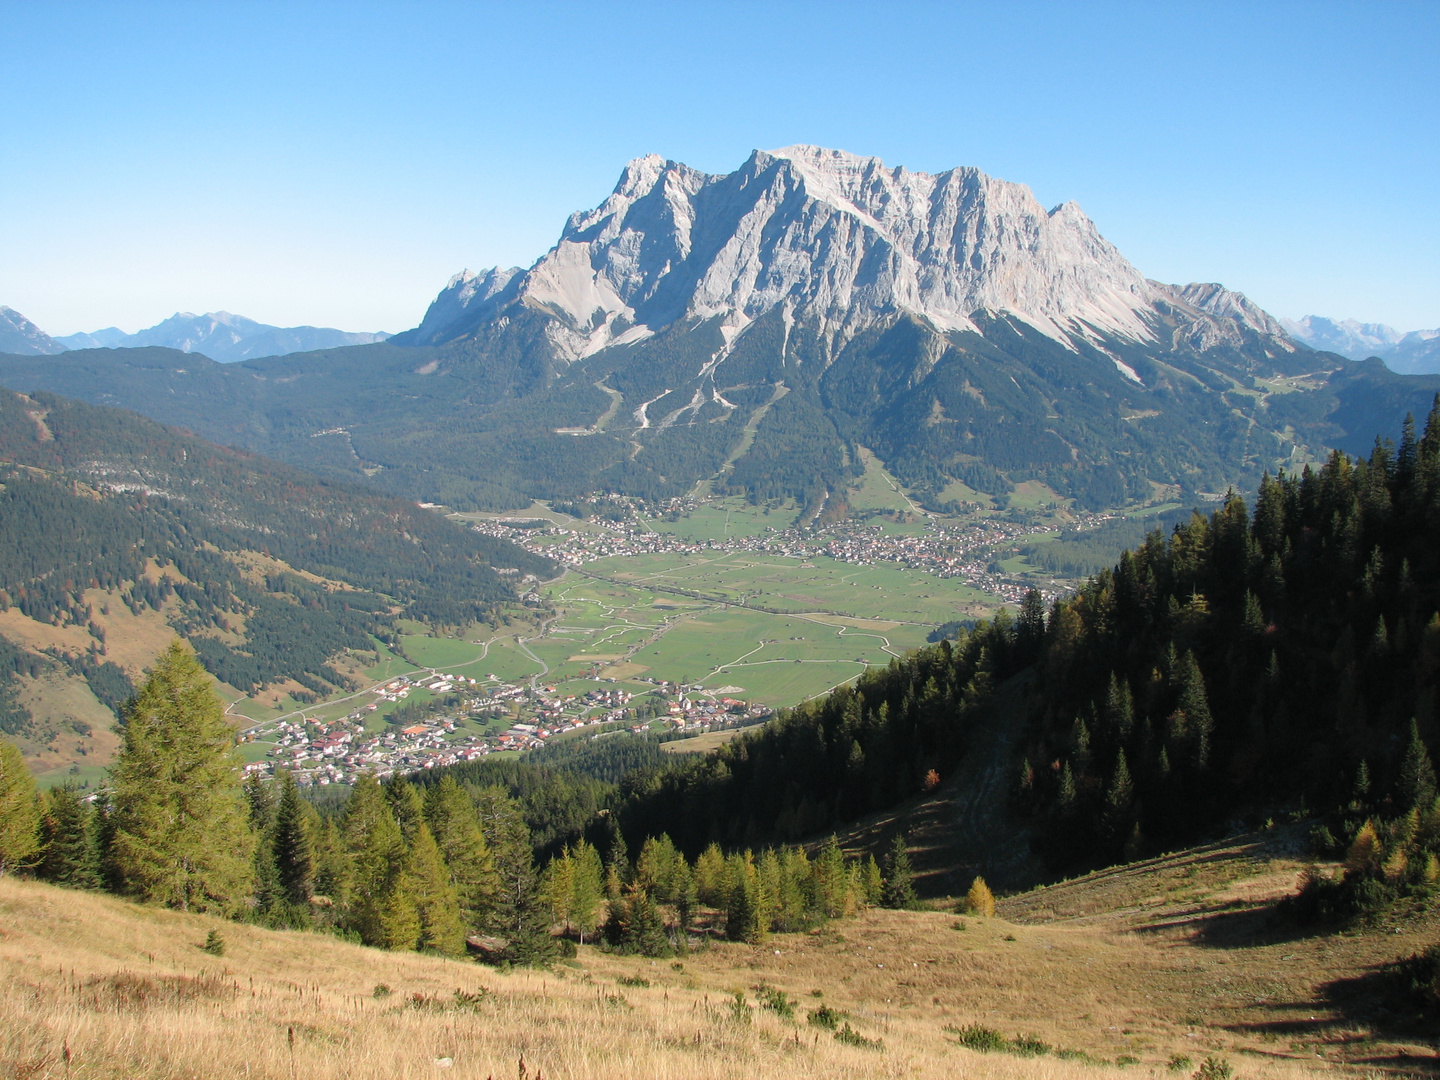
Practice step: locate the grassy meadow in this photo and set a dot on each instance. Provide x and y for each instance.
(1139, 971)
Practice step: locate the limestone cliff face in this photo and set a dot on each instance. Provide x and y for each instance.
(837, 242)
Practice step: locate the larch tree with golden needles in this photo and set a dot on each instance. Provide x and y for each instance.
(19, 816)
(181, 834)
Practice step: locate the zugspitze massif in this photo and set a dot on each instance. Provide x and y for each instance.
(838, 242)
(760, 332)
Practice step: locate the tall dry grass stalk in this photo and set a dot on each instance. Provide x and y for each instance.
(126, 991)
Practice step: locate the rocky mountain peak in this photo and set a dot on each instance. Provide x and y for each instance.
(837, 241)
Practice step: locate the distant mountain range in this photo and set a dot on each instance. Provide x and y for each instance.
(1417, 352)
(217, 334)
(751, 332)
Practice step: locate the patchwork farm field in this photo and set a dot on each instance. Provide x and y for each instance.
(880, 591)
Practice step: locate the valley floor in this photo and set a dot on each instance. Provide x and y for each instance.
(1120, 973)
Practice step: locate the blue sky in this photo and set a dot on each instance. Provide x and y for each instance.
(334, 164)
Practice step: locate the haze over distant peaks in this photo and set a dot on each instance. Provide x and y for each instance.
(1417, 352)
(217, 334)
(222, 336)
(837, 241)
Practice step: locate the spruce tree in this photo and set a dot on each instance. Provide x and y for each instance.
(684, 896)
(64, 839)
(899, 878)
(1119, 797)
(520, 914)
(1416, 786)
(1194, 705)
(294, 854)
(181, 834)
(1119, 710)
(19, 816)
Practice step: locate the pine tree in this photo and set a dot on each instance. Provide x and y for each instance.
(64, 839)
(1416, 787)
(587, 889)
(899, 877)
(436, 904)
(711, 881)
(382, 908)
(294, 853)
(181, 835)
(980, 900)
(19, 817)
(520, 914)
(1194, 705)
(456, 828)
(872, 881)
(1119, 797)
(684, 896)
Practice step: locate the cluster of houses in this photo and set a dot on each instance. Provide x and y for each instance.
(946, 549)
(338, 752)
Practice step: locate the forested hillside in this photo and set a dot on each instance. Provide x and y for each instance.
(492, 422)
(267, 571)
(1256, 663)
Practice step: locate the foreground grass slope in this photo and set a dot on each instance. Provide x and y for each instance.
(1175, 958)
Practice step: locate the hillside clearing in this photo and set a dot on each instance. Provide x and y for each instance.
(1186, 966)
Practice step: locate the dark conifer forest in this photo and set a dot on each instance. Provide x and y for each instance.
(1280, 659)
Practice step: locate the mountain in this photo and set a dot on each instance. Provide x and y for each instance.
(19, 335)
(1415, 353)
(833, 240)
(221, 336)
(117, 533)
(751, 332)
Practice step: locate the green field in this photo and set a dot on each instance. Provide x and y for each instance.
(614, 629)
(881, 591)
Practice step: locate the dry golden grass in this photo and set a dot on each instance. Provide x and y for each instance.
(701, 744)
(130, 993)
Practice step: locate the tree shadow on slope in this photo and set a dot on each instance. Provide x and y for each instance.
(964, 827)
(1372, 1019)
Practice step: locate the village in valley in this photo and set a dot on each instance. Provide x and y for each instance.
(640, 577)
(479, 718)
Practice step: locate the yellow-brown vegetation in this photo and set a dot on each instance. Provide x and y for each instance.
(1151, 963)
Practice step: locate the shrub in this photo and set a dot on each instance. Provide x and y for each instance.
(982, 1039)
(1178, 1063)
(214, 944)
(634, 981)
(1214, 1068)
(850, 1037)
(776, 1001)
(1420, 975)
(1028, 1046)
(826, 1017)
